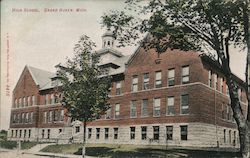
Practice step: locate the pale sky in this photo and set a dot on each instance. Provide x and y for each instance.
(44, 39)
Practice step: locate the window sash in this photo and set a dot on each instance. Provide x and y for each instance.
(185, 71)
(185, 104)
(157, 105)
(117, 110)
(144, 107)
(133, 111)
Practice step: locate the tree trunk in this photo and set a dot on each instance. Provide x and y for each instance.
(247, 37)
(84, 139)
(240, 119)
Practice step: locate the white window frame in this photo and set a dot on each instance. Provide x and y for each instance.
(157, 107)
(170, 104)
(145, 81)
(158, 79)
(171, 77)
(133, 109)
(134, 87)
(185, 73)
(186, 106)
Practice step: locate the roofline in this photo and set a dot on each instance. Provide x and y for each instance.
(136, 51)
(215, 65)
(28, 67)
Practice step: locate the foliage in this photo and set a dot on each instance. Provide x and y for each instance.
(85, 87)
(8, 144)
(13, 144)
(3, 135)
(182, 24)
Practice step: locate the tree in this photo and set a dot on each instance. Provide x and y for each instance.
(201, 25)
(84, 85)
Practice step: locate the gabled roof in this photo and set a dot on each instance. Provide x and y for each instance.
(109, 50)
(41, 77)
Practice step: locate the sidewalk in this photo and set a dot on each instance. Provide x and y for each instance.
(36, 151)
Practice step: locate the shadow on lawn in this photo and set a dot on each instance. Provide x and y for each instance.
(155, 153)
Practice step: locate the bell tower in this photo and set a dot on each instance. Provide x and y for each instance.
(108, 39)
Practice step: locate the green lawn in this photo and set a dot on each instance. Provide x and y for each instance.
(124, 151)
(13, 144)
(4, 143)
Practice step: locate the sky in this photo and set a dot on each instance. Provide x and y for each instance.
(45, 38)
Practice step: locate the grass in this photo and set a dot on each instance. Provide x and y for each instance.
(124, 151)
(4, 143)
(13, 144)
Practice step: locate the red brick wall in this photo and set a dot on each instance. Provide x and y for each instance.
(202, 100)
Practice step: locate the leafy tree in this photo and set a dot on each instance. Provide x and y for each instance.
(84, 85)
(200, 25)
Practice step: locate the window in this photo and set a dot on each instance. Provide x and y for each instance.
(60, 130)
(20, 102)
(210, 74)
(185, 74)
(23, 118)
(216, 81)
(15, 105)
(156, 132)
(77, 129)
(158, 79)
(43, 133)
(12, 133)
(144, 132)
(185, 104)
(106, 134)
(24, 133)
(48, 136)
(145, 81)
(229, 137)
(108, 114)
(62, 115)
(118, 88)
(45, 117)
(97, 133)
(171, 74)
(33, 100)
(184, 132)
(52, 97)
(115, 133)
(50, 116)
(16, 133)
(170, 106)
(28, 100)
(89, 133)
(133, 111)
(224, 132)
(117, 110)
(19, 118)
(157, 106)
(29, 133)
(24, 101)
(20, 133)
(169, 132)
(46, 99)
(234, 141)
(144, 108)
(132, 132)
(27, 117)
(135, 84)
